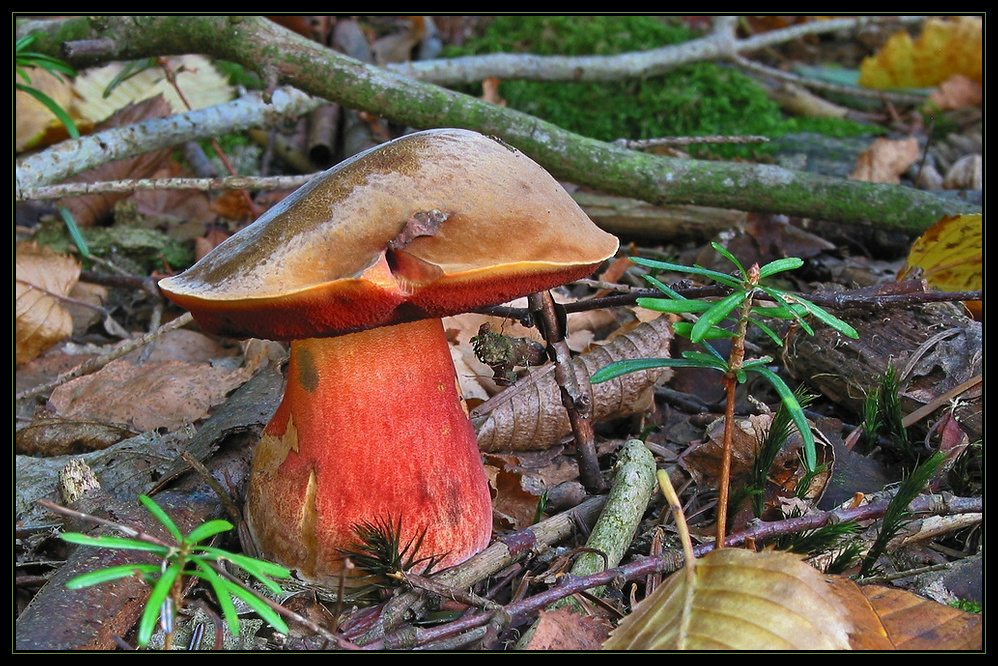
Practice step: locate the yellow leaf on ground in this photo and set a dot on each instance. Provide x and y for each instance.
(945, 47)
(739, 600)
(950, 257)
(40, 321)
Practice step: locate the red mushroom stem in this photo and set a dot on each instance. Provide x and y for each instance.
(317, 473)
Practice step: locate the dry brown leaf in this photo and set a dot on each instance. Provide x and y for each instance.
(957, 92)
(739, 600)
(522, 478)
(534, 417)
(914, 623)
(397, 47)
(563, 629)
(944, 47)
(40, 321)
(61, 437)
(703, 460)
(887, 618)
(158, 394)
(490, 91)
(886, 160)
(514, 507)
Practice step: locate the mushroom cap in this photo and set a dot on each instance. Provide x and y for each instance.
(427, 225)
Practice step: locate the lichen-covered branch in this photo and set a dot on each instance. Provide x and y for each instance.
(283, 57)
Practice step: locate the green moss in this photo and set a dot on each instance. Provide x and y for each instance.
(699, 99)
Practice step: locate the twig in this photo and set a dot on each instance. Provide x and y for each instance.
(671, 561)
(64, 190)
(124, 529)
(824, 86)
(721, 43)
(576, 393)
(644, 144)
(633, 485)
(75, 155)
(507, 550)
(95, 364)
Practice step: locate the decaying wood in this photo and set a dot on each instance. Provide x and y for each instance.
(934, 347)
(534, 417)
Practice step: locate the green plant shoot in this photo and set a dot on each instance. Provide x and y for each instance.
(23, 59)
(740, 307)
(181, 559)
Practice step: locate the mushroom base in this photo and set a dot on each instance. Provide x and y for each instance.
(372, 430)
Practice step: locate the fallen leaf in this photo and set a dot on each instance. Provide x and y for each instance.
(40, 320)
(886, 160)
(738, 599)
(530, 415)
(490, 91)
(944, 47)
(914, 623)
(154, 395)
(60, 437)
(397, 47)
(950, 257)
(564, 629)
(201, 84)
(957, 92)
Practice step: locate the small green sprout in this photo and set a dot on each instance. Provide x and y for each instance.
(23, 59)
(740, 307)
(180, 560)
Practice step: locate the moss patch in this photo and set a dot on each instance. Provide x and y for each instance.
(694, 100)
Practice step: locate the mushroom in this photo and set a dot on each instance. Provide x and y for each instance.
(356, 269)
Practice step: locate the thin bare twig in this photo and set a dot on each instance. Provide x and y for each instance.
(576, 395)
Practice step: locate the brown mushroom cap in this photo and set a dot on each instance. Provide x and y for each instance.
(430, 224)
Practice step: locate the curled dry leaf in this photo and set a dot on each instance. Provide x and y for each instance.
(40, 321)
(533, 417)
(739, 600)
(61, 437)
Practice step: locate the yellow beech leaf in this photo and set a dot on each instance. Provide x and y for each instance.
(949, 256)
(41, 277)
(738, 599)
(944, 48)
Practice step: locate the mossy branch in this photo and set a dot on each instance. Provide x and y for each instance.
(282, 57)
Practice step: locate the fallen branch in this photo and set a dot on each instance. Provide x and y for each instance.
(283, 57)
